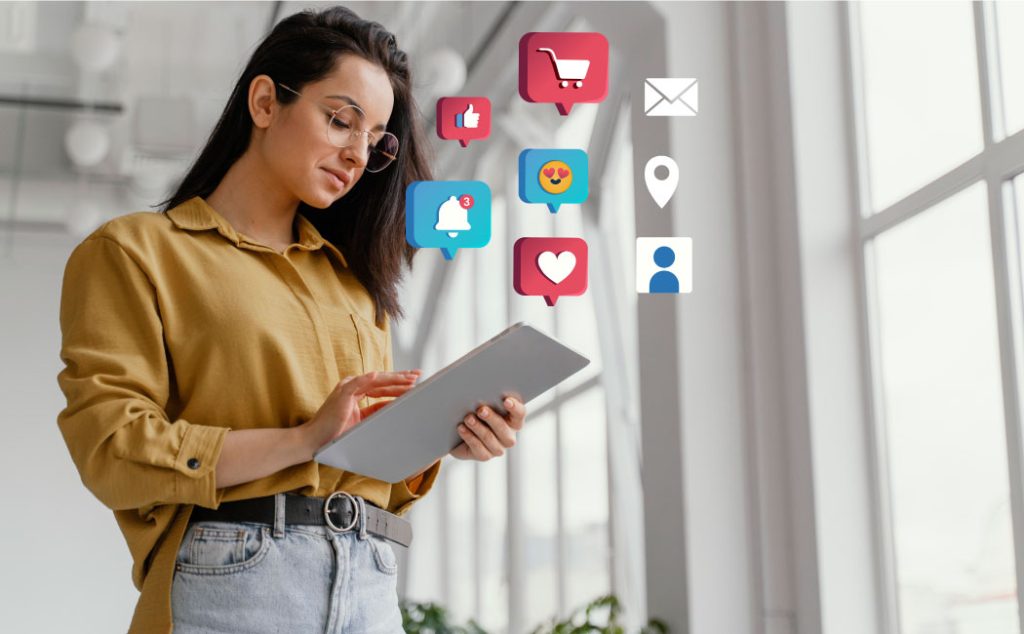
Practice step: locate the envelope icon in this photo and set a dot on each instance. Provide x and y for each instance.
(670, 97)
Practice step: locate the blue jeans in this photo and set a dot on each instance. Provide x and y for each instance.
(252, 577)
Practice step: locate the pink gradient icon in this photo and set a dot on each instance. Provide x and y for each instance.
(563, 68)
(550, 267)
(463, 119)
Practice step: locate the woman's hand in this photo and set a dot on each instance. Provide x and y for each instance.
(341, 412)
(487, 434)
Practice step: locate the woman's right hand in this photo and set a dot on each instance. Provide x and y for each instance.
(340, 411)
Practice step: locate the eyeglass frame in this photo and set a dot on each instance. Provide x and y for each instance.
(352, 130)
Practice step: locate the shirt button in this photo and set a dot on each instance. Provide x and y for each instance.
(193, 463)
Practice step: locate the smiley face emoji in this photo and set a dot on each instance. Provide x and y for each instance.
(555, 177)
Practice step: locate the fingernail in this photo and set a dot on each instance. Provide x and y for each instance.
(483, 411)
(508, 403)
(470, 421)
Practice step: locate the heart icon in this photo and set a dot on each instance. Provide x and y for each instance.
(549, 172)
(556, 267)
(562, 173)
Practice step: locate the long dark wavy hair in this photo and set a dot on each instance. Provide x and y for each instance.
(368, 223)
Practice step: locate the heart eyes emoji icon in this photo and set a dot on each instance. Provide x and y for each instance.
(555, 177)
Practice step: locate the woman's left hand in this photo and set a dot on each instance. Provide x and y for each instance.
(487, 434)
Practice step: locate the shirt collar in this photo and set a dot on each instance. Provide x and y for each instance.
(196, 214)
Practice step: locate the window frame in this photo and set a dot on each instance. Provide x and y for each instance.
(999, 162)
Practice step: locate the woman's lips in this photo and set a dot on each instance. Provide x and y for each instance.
(337, 182)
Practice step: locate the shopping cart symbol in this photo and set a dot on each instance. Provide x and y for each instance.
(574, 70)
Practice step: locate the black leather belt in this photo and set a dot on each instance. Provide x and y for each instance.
(339, 512)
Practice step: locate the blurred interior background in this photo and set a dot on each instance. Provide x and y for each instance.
(824, 436)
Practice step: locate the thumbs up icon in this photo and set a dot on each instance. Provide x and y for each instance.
(467, 119)
(463, 119)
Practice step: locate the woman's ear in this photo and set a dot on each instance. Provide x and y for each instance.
(263, 102)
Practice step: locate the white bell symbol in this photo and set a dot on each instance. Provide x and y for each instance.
(452, 217)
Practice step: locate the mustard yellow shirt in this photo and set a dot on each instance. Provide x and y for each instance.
(177, 329)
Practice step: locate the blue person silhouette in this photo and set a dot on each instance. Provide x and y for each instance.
(664, 281)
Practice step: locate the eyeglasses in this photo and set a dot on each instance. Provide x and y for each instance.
(342, 132)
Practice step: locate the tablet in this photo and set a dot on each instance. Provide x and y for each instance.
(420, 426)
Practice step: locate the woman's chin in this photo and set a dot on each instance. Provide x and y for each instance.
(321, 199)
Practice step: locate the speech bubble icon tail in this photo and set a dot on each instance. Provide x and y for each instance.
(464, 142)
(553, 207)
(551, 299)
(564, 108)
(448, 252)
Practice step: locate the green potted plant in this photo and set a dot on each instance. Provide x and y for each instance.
(600, 615)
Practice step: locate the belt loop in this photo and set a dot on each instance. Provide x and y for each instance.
(362, 517)
(279, 506)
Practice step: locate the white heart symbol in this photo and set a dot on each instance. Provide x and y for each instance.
(556, 267)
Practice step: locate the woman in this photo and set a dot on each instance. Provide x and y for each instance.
(210, 350)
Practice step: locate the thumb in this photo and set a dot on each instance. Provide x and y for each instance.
(469, 110)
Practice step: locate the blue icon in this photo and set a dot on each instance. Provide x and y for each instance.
(664, 281)
(448, 215)
(664, 265)
(553, 177)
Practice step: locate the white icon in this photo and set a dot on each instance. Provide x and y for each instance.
(574, 70)
(470, 118)
(556, 267)
(664, 265)
(670, 97)
(452, 217)
(662, 189)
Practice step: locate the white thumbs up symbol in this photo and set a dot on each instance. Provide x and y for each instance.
(469, 118)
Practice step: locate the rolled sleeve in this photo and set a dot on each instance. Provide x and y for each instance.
(117, 385)
(403, 496)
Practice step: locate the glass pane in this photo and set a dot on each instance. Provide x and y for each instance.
(493, 546)
(1010, 24)
(540, 522)
(575, 317)
(940, 379)
(921, 100)
(425, 554)
(585, 495)
(462, 582)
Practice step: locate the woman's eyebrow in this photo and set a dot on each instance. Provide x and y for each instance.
(351, 101)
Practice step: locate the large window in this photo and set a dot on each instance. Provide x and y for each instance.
(940, 109)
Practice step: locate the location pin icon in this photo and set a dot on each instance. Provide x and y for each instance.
(662, 189)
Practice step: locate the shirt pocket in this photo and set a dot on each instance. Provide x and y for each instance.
(359, 345)
(372, 343)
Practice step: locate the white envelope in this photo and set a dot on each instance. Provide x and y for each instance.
(670, 96)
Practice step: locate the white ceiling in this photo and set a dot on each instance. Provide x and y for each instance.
(188, 51)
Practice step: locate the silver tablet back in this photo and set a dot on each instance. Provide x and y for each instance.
(416, 429)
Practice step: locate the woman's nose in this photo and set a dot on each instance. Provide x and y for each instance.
(356, 153)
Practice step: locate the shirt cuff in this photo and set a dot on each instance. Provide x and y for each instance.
(403, 497)
(197, 464)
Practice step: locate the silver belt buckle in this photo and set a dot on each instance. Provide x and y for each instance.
(327, 512)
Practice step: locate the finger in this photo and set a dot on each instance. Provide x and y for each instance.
(499, 426)
(390, 390)
(476, 448)
(461, 451)
(373, 380)
(486, 436)
(516, 412)
(376, 407)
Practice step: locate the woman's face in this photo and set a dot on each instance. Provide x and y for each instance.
(296, 144)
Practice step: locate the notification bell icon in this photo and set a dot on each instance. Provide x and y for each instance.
(452, 217)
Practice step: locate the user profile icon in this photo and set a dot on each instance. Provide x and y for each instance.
(664, 265)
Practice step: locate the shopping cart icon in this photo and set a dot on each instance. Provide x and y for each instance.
(569, 70)
(563, 69)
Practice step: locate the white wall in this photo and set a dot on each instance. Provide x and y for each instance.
(65, 566)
